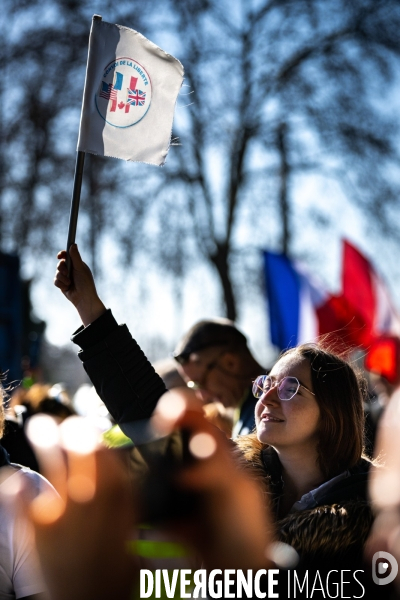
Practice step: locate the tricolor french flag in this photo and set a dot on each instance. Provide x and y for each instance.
(301, 310)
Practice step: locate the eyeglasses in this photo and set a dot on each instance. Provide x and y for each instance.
(287, 387)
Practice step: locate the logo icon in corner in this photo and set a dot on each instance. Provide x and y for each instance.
(387, 567)
(124, 95)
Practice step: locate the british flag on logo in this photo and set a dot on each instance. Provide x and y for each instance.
(136, 97)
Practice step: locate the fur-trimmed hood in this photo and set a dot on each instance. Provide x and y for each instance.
(337, 517)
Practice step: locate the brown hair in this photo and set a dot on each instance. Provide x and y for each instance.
(339, 390)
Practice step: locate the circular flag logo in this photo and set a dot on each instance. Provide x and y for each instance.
(124, 94)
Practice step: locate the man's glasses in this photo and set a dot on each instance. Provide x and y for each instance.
(286, 387)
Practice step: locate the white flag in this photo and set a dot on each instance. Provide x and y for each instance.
(130, 93)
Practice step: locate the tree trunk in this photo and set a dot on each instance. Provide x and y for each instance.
(220, 260)
(283, 193)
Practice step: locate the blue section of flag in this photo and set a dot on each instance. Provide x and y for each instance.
(283, 293)
(104, 86)
(118, 81)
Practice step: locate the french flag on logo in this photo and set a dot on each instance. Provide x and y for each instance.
(300, 309)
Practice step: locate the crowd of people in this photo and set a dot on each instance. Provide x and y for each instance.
(220, 465)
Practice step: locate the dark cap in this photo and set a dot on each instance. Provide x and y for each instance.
(206, 334)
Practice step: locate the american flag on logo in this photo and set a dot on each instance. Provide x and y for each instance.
(136, 97)
(108, 92)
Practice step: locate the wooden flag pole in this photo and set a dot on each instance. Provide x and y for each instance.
(76, 196)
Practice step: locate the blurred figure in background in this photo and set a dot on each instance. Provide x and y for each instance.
(380, 391)
(167, 369)
(214, 360)
(20, 573)
(214, 411)
(44, 398)
(382, 363)
(385, 494)
(39, 398)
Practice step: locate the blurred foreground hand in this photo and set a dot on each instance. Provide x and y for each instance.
(232, 528)
(81, 536)
(385, 485)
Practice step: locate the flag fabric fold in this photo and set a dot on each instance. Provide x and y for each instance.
(130, 94)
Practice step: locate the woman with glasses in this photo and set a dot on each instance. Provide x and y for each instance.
(307, 449)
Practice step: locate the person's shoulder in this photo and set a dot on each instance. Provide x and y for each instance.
(36, 483)
(351, 486)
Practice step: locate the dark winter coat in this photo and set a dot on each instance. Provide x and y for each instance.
(331, 522)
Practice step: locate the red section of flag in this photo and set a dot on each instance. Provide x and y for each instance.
(383, 357)
(336, 316)
(363, 311)
(368, 298)
(359, 292)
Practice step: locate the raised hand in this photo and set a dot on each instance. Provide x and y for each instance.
(79, 288)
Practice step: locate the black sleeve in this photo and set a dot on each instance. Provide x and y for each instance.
(123, 377)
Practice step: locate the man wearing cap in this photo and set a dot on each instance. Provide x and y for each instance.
(215, 361)
(213, 357)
